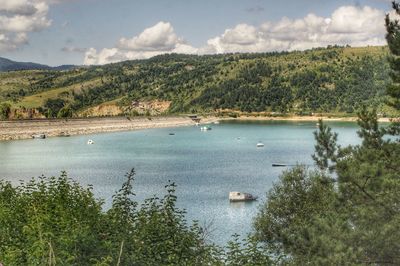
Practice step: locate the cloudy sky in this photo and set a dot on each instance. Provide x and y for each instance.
(58, 32)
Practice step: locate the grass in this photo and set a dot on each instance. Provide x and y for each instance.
(37, 100)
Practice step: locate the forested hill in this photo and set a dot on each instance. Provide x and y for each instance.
(335, 80)
(9, 65)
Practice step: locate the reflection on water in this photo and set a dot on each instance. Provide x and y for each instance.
(241, 204)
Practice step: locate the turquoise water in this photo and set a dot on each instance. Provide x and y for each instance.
(204, 165)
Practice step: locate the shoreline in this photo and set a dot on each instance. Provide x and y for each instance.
(302, 118)
(24, 129)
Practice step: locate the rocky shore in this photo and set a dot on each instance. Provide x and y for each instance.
(24, 129)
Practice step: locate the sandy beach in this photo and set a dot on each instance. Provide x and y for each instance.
(24, 129)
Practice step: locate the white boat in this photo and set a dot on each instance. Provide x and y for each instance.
(260, 145)
(205, 128)
(216, 123)
(90, 142)
(240, 196)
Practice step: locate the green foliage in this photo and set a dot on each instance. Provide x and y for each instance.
(393, 40)
(5, 110)
(248, 252)
(325, 150)
(48, 221)
(56, 221)
(54, 106)
(294, 204)
(335, 79)
(350, 217)
(65, 112)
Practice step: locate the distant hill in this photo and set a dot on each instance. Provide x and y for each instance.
(9, 65)
(335, 80)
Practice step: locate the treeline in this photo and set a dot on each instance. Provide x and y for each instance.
(52, 221)
(334, 79)
(345, 213)
(334, 87)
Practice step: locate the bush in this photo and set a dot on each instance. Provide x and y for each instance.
(65, 112)
(56, 221)
(5, 110)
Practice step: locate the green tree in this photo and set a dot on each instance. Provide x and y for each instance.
(393, 40)
(49, 221)
(295, 205)
(351, 216)
(5, 110)
(348, 217)
(65, 112)
(53, 106)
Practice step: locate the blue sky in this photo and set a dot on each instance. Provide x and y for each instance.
(102, 31)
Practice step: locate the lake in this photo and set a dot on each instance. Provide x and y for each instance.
(204, 165)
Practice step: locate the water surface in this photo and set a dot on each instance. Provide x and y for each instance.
(204, 165)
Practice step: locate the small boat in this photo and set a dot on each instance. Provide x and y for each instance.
(197, 124)
(205, 128)
(171, 134)
(279, 165)
(216, 123)
(39, 136)
(90, 142)
(240, 196)
(260, 145)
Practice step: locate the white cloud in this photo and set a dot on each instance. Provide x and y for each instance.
(92, 57)
(21, 7)
(356, 26)
(18, 18)
(353, 25)
(9, 42)
(158, 39)
(351, 19)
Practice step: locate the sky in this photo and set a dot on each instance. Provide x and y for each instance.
(56, 32)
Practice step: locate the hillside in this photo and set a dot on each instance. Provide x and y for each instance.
(331, 80)
(9, 65)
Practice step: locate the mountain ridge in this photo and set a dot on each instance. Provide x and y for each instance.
(10, 65)
(322, 80)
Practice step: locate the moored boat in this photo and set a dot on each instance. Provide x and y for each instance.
(240, 196)
(279, 165)
(205, 128)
